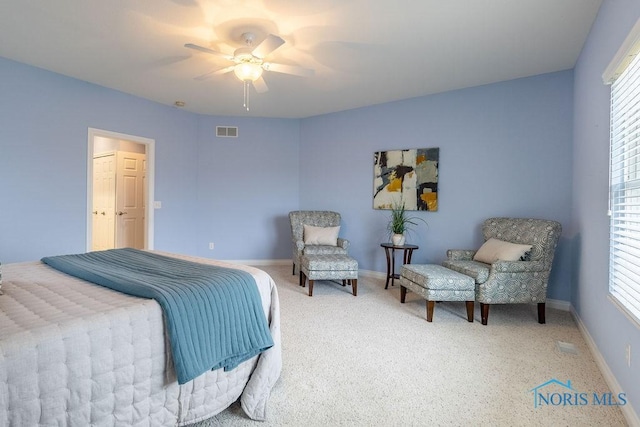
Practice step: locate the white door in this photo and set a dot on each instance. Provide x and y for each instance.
(130, 200)
(103, 212)
(101, 142)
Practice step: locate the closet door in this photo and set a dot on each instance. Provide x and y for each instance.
(129, 201)
(104, 196)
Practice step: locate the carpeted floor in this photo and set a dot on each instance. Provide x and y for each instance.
(371, 361)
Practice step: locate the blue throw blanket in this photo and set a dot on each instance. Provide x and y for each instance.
(213, 315)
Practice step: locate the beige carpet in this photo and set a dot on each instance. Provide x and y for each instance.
(371, 361)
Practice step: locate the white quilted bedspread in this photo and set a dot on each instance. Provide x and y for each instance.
(77, 354)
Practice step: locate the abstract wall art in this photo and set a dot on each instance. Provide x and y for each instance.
(406, 176)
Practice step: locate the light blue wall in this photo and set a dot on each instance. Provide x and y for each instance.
(237, 192)
(44, 118)
(246, 187)
(505, 150)
(610, 329)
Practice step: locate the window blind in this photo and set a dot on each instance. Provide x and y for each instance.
(624, 262)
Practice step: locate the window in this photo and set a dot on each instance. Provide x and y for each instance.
(624, 179)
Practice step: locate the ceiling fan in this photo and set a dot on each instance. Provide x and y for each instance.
(249, 63)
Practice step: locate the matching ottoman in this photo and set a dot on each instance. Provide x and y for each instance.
(329, 267)
(436, 283)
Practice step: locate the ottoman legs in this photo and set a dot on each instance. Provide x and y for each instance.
(432, 304)
(469, 311)
(303, 281)
(352, 282)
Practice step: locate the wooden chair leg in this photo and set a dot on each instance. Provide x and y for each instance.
(484, 313)
(310, 287)
(469, 311)
(294, 269)
(541, 313)
(430, 306)
(403, 294)
(303, 279)
(354, 285)
(344, 282)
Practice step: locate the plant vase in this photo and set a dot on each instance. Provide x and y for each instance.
(397, 239)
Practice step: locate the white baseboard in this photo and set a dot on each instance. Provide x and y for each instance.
(372, 274)
(259, 261)
(559, 304)
(627, 410)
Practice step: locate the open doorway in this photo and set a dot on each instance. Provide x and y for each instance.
(120, 181)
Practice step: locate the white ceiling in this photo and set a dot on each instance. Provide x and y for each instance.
(364, 52)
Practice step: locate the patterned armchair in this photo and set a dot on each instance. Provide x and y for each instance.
(511, 282)
(298, 220)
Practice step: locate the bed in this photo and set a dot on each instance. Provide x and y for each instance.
(75, 353)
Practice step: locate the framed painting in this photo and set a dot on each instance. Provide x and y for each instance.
(408, 177)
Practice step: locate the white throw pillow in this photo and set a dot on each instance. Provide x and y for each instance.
(321, 235)
(493, 250)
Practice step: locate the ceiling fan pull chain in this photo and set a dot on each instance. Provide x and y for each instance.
(246, 94)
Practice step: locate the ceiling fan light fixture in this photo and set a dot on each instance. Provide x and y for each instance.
(250, 62)
(248, 71)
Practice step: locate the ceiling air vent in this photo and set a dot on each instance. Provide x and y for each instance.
(227, 131)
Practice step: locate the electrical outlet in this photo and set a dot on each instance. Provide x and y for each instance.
(211, 246)
(628, 355)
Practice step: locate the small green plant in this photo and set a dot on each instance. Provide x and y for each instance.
(401, 222)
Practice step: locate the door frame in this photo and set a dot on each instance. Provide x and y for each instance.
(150, 177)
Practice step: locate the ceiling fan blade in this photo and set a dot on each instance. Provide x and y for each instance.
(260, 86)
(207, 50)
(205, 76)
(268, 45)
(288, 69)
(225, 70)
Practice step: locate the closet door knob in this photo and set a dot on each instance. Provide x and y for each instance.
(121, 213)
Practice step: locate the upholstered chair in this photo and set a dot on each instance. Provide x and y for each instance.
(316, 246)
(522, 279)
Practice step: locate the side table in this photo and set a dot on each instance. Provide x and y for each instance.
(390, 252)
